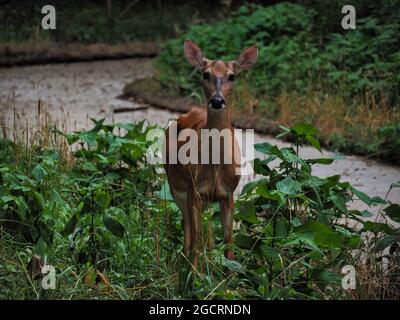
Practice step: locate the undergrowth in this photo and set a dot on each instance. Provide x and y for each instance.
(107, 223)
(304, 65)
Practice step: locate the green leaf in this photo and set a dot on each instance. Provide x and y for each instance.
(38, 172)
(72, 138)
(288, 186)
(377, 227)
(39, 248)
(304, 129)
(248, 212)
(112, 225)
(39, 199)
(244, 241)
(89, 138)
(393, 211)
(269, 194)
(22, 207)
(233, 265)
(325, 277)
(366, 199)
(249, 187)
(321, 234)
(281, 228)
(103, 199)
(70, 226)
(98, 124)
(314, 142)
(165, 192)
(267, 148)
(339, 200)
(387, 241)
(56, 197)
(325, 161)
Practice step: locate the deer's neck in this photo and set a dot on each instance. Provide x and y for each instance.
(219, 120)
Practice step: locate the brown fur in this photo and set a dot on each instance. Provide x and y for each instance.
(194, 186)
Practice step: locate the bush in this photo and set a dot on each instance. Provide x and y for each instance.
(110, 228)
(292, 58)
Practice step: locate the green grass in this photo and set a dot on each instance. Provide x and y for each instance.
(345, 83)
(107, 223)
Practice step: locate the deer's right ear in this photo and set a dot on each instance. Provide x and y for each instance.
(193, 54)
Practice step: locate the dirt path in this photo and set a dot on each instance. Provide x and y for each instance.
(74, 92)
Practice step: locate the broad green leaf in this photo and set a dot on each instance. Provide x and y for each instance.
(366, 199)
(70, 226)
(249, 187)
(377, 227)
(39, 248)
(248, 212)
(326, 277)
(39, 198)
(244, 241)
(103, 199)
(89, 138)
(387, 241)
(393, 211)
(72, 138)
(233, 265)
(288, 186)
(281, 229)
(165, 192)
(339, 200)
(314, 142)
(304, 129)
(22, 207)
(269, 194)
(38, 172)
(267, 148)
(113, 226)
(321, 234)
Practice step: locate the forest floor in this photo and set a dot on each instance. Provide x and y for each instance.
(72, 93)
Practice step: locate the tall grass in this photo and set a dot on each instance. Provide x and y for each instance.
(106, 222)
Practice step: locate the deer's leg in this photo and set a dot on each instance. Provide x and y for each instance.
(226, 208)
(180, 198)
(195, 209)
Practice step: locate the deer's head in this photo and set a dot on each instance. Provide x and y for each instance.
(219, 76)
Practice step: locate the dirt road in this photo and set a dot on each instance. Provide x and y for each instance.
(74, 92)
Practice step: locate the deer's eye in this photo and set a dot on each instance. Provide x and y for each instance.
(231, 77)
(206, 75)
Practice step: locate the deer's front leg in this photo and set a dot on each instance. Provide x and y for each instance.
(226, 209)
(195, 210)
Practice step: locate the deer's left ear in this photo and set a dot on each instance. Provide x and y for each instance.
(247, 59)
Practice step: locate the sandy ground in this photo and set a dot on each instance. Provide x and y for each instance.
(74, 92)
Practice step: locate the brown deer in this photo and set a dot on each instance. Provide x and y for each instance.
(196, 184)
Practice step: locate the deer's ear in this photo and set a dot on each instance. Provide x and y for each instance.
(248, 58)
(193, 54)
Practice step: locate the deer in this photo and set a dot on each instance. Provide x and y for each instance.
(195, 185)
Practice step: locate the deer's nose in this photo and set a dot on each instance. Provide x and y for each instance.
(217, 102)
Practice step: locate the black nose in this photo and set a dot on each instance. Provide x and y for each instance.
(217, 102)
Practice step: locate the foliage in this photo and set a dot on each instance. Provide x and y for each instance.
(110, 228)
(358, 62)
(89, 21)
(89, 218)
(294, 235)
(354, 71)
